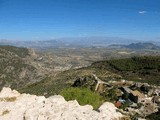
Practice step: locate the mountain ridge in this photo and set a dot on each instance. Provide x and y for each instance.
(137, 46)
(94, 41)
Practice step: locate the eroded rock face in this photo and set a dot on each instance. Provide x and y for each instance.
(16, 106)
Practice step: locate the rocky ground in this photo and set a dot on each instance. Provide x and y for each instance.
(16, 106)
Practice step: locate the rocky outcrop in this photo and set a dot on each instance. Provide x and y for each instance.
(16, 106)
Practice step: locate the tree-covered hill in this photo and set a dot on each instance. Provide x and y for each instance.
(141, 69)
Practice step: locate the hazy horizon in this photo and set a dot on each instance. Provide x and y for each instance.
(72, 38)
(54, 19)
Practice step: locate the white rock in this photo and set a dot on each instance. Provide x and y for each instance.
(32, 107)
(7, 92)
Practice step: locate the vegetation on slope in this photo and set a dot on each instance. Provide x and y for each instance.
(21, 52)
(146, 68)
(14, 71)
(141, 69)
(54, 84)
(84, 96)
(154, 116)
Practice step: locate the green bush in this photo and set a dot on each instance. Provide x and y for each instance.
(83, 96)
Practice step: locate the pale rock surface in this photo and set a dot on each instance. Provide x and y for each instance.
(32, 107)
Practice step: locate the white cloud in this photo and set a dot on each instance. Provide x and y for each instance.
(142, 12)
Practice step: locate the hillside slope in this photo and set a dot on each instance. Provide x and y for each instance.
(15, 71)
(138, 69)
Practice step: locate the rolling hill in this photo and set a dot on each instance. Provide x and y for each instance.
(139, 69)
(24, 73)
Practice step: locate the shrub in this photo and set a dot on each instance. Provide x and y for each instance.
(83, 96)
(5, 112)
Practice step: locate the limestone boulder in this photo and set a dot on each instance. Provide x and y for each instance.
(32, 107)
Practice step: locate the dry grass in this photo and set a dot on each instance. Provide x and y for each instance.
(8, 99)
(5, 112)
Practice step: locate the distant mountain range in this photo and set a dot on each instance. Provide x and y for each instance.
(137, 46)
(81, 42)
(69, 42)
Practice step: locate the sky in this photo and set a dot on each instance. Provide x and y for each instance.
(49, 19)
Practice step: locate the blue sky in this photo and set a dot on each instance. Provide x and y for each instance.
(48, 19)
